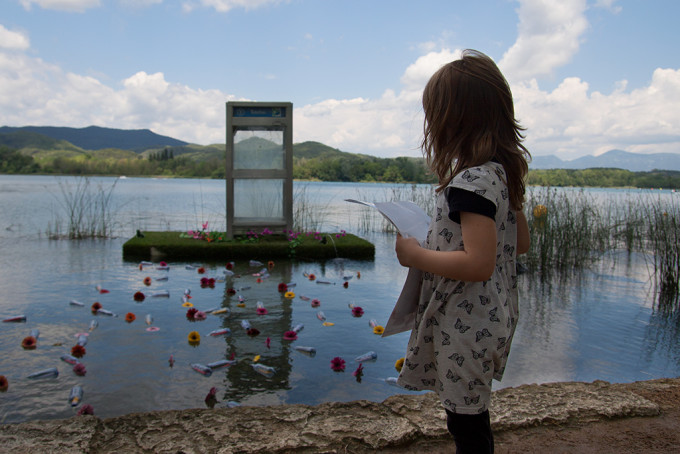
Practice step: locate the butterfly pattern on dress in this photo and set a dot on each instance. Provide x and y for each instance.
(477, 318)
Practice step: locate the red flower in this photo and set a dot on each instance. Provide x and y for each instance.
(147, 280)
(96, 306)
(191, 313)
(229, 265)
(79, 369)
(204, 282)
(345, 284)
(201, 270)
(261, 311)
(86, 410)
(311, 277)
(29, 343)
(359, 373)
(338, 364)
(290, 335)
(357, 311)
(283, 287)
(139, 296)
(163, 264)
(4, 384)
(211, 282)
(78, 351)
(316, 303)
(270, 264)
(253, 332)
(130, 317)
(231, 291)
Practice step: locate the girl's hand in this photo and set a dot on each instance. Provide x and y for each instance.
(406, 249)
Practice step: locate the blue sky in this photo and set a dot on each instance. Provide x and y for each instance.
(587, 76)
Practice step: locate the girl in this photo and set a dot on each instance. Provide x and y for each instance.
(468, 306)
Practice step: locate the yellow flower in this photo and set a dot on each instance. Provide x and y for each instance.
(289, 295)
(328, 324)
(194, 338)
(241, 305)
(399, 364)
(377, 329)
(540, 211)
(187, 304)
(256, 359)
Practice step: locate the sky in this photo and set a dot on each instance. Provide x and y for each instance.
(587, 76)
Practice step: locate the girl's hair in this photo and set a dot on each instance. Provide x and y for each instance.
(470, 120)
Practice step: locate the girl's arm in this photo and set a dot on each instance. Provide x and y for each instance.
(475, 263)
(523, 237)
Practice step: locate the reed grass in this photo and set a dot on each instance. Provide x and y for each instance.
(85, 210)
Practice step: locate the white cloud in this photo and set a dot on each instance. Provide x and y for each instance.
(13, 40)
(224, 6)
(549, 36)
(77, 6)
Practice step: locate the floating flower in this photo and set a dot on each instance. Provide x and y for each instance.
(377, 329)
(540, 211)
(138, 296)
(261, 311)
(399, 364)
(253, 332)
(268, 343)
(258, 280)
(29, 343)
(229, 265)
(200, 315)
(290, 335)
(345, 284)
(79, 369)
(191, 313)
(78, 351)
(204, 282)
(147, 280)
(187, 304)
(211, 282)
(231, 291)
(338, 364)
(96, 306)
(241, 304)
(358, 274)
(130, 317)
(200, 270)
(270, 264)
(357, 311)
(283, 287)
(153, 329)
(311, 277)
(4, 384)
(163, 263)
(211, 398)
(289, 295)
(316, 303)
(359, 372)
(194, 338)
(86, 410)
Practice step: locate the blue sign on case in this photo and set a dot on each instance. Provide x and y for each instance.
(275, 112)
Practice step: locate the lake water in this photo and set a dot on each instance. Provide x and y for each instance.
(602, 325)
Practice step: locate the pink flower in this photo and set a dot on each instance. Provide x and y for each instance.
(268, 342)
(163, 264)
(79, 369)
(252, 332)
(261, 311)
(86, 410)
(316, 303)
(200, 315)
(290, 335)
(357, 311)
(338, 364)
(359, 372)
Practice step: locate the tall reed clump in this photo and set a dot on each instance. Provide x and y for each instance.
(87, 210)
(568, 230)
(307, 216)
(663, 241)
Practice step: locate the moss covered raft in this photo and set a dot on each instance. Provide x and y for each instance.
(170, 245)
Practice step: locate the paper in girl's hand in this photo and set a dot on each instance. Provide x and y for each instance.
(408, 218)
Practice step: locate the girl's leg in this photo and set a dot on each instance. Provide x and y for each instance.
(471, 433)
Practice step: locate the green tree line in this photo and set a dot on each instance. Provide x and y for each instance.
(327, 166)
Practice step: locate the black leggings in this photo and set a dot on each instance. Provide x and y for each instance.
(471, 433)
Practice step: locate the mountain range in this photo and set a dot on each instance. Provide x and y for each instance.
(141, 140)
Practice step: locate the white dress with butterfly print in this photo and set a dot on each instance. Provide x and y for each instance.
(463, 330)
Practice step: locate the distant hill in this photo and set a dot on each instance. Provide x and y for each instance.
(613, 159)
(98, 138)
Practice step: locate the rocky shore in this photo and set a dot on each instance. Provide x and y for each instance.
(522, 419)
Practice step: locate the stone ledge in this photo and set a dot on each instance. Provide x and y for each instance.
(358, 426)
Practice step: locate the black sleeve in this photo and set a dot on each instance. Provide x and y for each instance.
(462, 200)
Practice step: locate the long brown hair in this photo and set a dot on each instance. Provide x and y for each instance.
(470, 120)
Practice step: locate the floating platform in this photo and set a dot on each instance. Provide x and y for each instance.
(170, 245)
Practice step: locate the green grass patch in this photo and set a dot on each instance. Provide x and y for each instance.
(170, 245)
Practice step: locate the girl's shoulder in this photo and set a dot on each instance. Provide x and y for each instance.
(489, 173)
